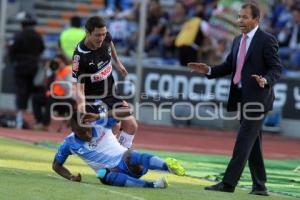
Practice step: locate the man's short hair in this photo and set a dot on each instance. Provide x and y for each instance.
(26, 19)
(75, 121)
(75, 22)
(255, 12)
(94, 22)
(296, 8)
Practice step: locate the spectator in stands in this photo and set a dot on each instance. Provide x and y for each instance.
(191, 7)
(121, 6)
(56, 87)
(157, 19)
(281, 15)
(25, 51)
(70, 37)
(123, 28)
(210, 6)
(191, 37)
(289, 40)
(177, 18)
(219, 52)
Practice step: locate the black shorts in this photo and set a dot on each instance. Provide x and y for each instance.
(105, 104)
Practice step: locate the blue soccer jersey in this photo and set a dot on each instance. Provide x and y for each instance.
(103, 151)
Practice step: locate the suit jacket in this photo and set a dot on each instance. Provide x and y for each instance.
(261, 59)
(286, 41)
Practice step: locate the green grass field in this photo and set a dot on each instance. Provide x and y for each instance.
(26, 174)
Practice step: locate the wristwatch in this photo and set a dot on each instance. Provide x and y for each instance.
(265, 80)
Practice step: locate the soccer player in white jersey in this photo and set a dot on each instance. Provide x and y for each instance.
(113, 164)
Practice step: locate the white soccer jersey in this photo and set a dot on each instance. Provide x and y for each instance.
(103, 151)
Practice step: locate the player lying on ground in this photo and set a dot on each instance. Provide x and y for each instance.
(114, 164)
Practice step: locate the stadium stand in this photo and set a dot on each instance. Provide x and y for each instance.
(52, 16)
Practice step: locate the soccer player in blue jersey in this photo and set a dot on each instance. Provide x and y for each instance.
(113, 164)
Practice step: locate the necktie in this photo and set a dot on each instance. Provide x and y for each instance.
(240, 60)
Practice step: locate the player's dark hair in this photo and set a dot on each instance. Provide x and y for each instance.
(296, 7)
(75, 21)
(255, 12)
(94, 22)
(75, 121)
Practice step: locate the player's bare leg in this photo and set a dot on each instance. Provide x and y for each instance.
(129, 127)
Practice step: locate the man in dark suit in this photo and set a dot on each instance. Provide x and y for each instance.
(255, 67)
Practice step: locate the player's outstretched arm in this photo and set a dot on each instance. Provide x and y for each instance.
(120, 67)
(64, 172)
(115, 113)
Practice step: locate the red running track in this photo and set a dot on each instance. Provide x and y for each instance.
(194, 140)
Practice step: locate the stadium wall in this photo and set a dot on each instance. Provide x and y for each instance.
(165, 86)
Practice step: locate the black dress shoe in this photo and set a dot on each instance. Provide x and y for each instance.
(221, 187)
(259, 192)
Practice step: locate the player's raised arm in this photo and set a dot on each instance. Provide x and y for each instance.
(64, 172)
(115, 113)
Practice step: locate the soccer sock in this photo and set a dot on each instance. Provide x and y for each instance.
(148, 161)
(126, 139)
(19, 120)
(156, 163)
(123, 180)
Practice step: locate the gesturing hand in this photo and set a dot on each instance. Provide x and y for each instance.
(201, 68)
(260, 80)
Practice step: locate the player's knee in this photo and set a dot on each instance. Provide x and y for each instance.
(145, 159)
(140, 158)
(115, 179)
(134, 124)
(129, 125)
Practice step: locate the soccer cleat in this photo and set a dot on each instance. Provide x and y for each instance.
(161, 183)
(175, 167)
